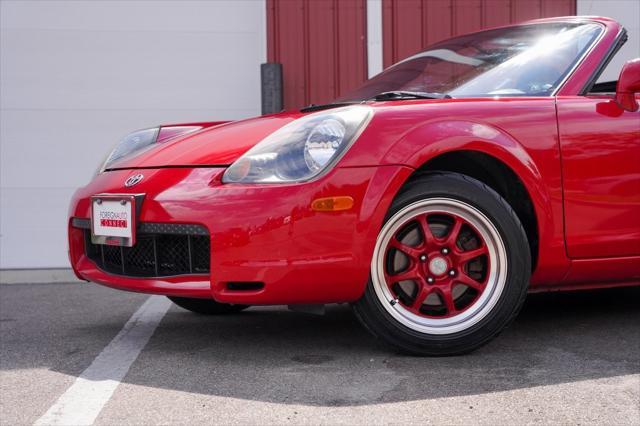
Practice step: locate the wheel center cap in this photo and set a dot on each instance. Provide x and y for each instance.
(438, 266)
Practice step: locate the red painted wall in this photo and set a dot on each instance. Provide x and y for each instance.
(321, 45)
(410, 25)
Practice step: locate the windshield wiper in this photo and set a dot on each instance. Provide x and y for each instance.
(395, 95)
(314, 107)
(403, 94)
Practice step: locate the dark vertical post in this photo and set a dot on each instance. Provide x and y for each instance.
(271, 82)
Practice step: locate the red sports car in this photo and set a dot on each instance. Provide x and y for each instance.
(432, 198)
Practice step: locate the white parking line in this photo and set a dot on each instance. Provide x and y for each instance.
(83, 401)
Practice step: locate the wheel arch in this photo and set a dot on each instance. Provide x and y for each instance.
(496, 175)
(490, 155)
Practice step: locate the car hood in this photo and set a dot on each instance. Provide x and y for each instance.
(214, 146)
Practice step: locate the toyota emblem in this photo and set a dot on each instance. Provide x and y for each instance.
(133, 180)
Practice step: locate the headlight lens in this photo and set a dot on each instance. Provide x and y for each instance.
(131, 143)
(323, 143)
(136, 142)
(302, 149)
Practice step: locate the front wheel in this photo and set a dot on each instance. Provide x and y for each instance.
(450, 268)
(206, 306)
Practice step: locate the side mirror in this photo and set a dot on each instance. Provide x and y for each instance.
(629, 85)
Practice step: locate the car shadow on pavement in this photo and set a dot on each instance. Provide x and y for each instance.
(270, 354)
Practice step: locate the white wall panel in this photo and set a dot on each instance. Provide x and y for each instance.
(75, 76)
(627, 12)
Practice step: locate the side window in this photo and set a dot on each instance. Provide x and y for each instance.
(611, 71)
(608, 79)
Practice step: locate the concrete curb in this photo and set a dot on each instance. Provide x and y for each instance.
(37, 276)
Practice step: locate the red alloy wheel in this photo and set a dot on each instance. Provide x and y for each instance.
(439, 265)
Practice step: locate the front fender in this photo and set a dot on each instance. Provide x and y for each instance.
(437, 137)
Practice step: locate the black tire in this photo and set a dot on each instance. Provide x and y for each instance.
(206, 306)
(378, 319)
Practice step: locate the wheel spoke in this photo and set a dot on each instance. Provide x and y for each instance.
(423, 292)
(447, 299)
(404, 248)
(427, 235)
(454, 232)
(410, 274)
(465, 279)
(465, 256)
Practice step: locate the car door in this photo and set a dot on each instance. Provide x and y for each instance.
(600, 147)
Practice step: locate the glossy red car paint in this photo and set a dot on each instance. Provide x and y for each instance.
(628, 86)
(577, 156)
(258, 233)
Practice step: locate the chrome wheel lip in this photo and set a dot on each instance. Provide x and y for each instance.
(495, 282)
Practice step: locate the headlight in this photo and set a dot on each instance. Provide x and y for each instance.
(131, 143)
(137, 141)
(302, 149)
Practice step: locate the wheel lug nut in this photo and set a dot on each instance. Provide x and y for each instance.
(445, 251)
(430, 280)
(452, 273)
(423, 258)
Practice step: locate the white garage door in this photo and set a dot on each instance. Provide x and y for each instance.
(627, 12)
(78, 75)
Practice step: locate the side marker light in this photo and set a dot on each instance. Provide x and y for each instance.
(332, 204)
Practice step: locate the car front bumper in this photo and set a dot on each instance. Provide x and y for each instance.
(267, 246)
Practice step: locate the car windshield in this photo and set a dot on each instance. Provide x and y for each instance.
(526, 60)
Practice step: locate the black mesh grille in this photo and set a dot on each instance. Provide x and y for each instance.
(153, 255)
(112, 258)
(139, 259)
(200, 254)
(173, 254)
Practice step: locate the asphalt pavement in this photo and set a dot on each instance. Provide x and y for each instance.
(570, 358)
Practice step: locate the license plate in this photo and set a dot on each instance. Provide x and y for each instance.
(113, 219)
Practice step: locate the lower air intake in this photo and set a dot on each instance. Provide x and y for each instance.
(155, 254)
